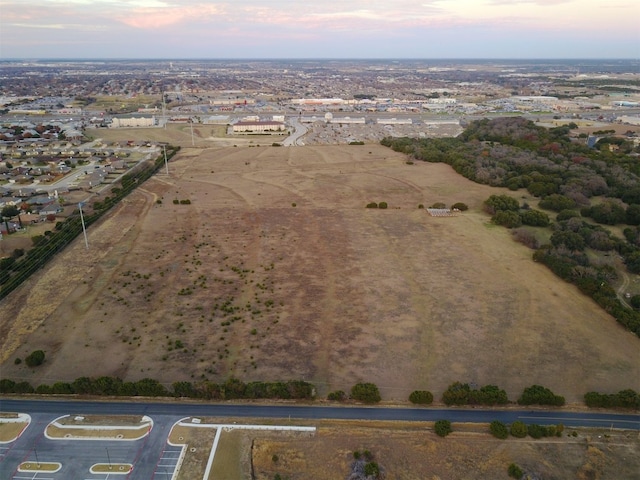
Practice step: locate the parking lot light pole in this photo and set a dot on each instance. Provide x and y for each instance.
(108, 457)
(37, 461)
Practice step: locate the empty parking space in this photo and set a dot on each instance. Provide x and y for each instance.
(168, 463)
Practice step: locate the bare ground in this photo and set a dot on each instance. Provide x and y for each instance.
(277, 271)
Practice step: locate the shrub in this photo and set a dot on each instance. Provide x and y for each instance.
(35, 358)
(623, 399)
(17, 361)
(525, 237)
(557, 203)
(518, 429)
(337, 396)
(372, 469)
(421, 397)
(420, 206)
(515, 471)
(176, 201)
(382, 205)
(499, 429)
(438, 205)
(567, 214)
(460, 206)
(536, 431)
(372, 205)
(540, 395)
(507, 218)
(496, 203)
(365, 392)
(443, 428)
(535, 218)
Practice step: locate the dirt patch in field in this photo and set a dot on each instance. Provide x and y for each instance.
(275, 270)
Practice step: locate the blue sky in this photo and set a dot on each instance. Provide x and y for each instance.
(319, 29)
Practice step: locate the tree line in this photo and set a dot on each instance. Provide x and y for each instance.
(457, 394)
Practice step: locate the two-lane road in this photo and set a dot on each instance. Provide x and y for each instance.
(542, 417)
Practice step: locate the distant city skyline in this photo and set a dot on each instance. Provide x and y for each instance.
(527, 29)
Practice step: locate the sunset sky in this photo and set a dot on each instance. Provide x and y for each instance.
(319, 29)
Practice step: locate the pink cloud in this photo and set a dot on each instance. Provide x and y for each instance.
(151, 18)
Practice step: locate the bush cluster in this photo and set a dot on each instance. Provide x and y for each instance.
(365, 392)
(462, 394)
(539, 395)
(623, 399)
(421, 397)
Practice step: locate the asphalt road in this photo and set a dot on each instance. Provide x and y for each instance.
(182, 409)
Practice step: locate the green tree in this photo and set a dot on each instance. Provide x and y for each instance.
(498, 429)
(442, 428)
(518, 429)
(496, 203)
(337, 396)
(557, 202)
(365, 392)
(507, 218)
(537, 394)
(35, 358)
(421, 397)
(456, 394)
(7, 213)
(535, 218)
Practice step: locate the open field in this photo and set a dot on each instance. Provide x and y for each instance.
(275, 271)
(413, 451)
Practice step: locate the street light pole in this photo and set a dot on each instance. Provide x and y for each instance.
(166, 164)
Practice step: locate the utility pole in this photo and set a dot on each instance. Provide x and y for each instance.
(84, 228)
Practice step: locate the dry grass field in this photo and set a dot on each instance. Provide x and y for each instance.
(413, 452)
(276, 271)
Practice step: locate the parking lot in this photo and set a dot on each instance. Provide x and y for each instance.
(150, 456)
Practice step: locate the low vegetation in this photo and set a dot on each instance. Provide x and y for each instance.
(462, 394)
(366, 392)
(421, 397)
